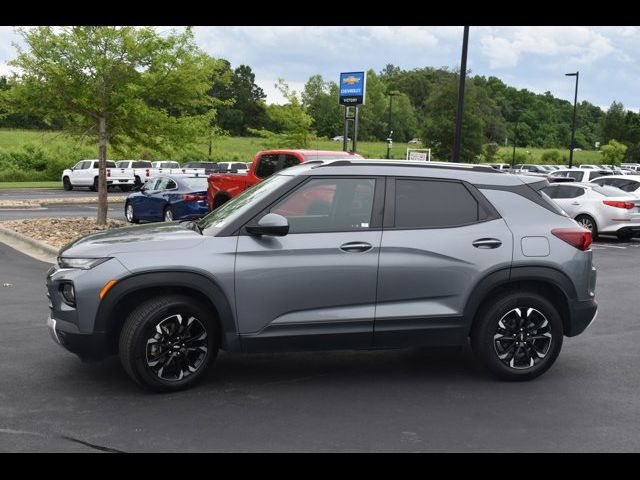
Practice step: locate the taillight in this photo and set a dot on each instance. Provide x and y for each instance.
(193, 198)
(108, 173)
(184, 170)
(146, 172)
(619, 204)
(577, 237)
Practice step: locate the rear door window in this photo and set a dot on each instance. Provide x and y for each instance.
(267, 165)
(433, 204)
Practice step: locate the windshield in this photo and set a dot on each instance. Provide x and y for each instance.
(235, 207)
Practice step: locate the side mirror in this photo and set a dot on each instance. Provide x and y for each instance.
(271, 224)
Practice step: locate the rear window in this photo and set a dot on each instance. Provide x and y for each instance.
(609, 191)
(140, 164)
(267, 165)
(109, 164)
(432, 204)
(169, 165)
(199, 183)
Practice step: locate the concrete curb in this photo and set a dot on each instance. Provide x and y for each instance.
(28, 246)
(57, 201)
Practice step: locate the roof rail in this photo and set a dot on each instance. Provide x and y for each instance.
(404, 163)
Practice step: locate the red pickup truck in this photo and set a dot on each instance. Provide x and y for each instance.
(223, 187)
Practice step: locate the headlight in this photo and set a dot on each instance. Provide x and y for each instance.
(81, 263)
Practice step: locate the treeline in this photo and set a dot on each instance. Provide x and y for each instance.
(424, 106)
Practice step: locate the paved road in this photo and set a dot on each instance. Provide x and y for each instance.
(38, 193)
(401, 400)
(116, 211)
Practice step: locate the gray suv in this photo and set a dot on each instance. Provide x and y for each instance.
(338, 254)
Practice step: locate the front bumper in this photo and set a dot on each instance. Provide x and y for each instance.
(86, 346)
(582, 315)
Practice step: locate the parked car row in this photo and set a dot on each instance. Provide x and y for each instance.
(128, 174)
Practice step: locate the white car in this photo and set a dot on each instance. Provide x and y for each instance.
(142, 170)
(591, 167)
(600, 209)
(504, 167)
(581, 175)
(415, 141)
(340, 138)
(85, 174)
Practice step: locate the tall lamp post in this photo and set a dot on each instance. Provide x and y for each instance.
(390, 137)
(463, 75)
(515, 141)
(573, 123)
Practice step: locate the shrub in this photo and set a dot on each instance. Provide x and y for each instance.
(551, 156)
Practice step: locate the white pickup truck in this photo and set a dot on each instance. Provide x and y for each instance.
(166, 167)
(142, 170)
(85, 174)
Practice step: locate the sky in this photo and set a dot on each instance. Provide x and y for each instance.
(535, 58)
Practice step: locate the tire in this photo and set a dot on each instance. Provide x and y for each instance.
(220, 199)
(94, 186)
(503, 311)
(625, 237)
(130, 214)
(125, 188)
(155, 324)
(66, 184)
(167, 215)
(137, 183)
(589, 223)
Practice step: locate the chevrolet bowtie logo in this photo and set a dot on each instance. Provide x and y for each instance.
(351, 80)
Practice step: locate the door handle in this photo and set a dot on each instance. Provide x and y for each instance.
(487, 243)
(575, 203)
(353, 247)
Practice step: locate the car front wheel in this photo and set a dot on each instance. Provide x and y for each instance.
(518, 336)
(130, 214)
(168, 214)
(168, 342)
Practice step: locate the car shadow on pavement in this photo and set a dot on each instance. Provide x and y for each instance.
(371, 367)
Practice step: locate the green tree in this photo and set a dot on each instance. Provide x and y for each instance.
(122, 85)
(613, 152)
(614, 123)
(439, 130)
(289, 125)
(320, 99)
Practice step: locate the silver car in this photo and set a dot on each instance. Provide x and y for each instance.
(601, 209)
(338, 254)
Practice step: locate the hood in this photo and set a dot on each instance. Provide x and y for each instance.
(142, 238)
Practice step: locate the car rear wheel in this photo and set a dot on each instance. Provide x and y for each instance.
(167, 343)
(94, 186)
(589, 223)
(518, 336)
(130, 214)
(66, 184)
(168, 214)
(125, 188)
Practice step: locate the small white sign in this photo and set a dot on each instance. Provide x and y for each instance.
(422, 156)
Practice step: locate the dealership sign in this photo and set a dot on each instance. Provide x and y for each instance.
(353, 88)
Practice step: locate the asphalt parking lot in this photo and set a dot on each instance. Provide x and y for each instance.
(401, 400)
(39, 193)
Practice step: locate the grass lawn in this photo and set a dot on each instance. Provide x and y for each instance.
(535, 155)
(30, 185)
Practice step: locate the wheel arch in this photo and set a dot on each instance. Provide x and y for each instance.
(220, 195)
(132, 291)
(548, 281)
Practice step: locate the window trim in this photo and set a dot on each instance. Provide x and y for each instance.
(377, 209)
(390, 204)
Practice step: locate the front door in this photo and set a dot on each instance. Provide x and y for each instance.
(315, 287)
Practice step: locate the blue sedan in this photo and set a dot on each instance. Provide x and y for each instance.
(168, 198)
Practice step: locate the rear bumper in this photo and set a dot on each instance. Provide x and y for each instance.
(582, 315)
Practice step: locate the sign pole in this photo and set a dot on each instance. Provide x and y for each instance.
(355, 131)
(346, 129)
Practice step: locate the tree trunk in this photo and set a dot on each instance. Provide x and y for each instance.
(102, 173)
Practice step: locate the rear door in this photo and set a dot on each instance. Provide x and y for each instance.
(315, 287)
(440, 238)
(569, 198)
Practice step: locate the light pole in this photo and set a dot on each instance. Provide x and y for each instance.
(573, 123)
(515, 140)
(390, 137)
(463, 75)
